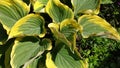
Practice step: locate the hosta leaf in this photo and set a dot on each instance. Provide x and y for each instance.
(57, 34)
(26, 50)
(64, 58)
(69, 28)
(58, 11)
(49, 61)
(94, 25)
(86, 6)
(11, 11)
(30, 25)
(39, 4)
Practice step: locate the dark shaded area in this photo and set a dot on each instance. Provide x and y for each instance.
(67, 2)
(2, 61)
(3, 34)
(111, 13)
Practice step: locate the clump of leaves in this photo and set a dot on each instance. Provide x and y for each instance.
(43, 33)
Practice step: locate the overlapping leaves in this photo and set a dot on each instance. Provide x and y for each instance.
(11, 11)
(64, 58)
(29, 31)
(28, 48)
(69, 28)
(66, 32)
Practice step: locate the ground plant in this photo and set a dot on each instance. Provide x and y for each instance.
(46, 33)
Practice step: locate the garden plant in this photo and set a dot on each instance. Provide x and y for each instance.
(44, 33)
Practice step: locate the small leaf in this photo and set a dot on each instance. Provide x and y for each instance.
(57, 34)
(58, 11)
(39, 4)
(11, 11)
(64, 58)
(94, 25)
(86, 6)
(28, 48)
(49, 61)
(30, 25)
(69, 28)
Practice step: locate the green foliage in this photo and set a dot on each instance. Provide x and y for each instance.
(106, 1)
(101, 52)
(43, 33)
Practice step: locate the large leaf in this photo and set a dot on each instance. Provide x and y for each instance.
(95, 25)
(25, 51)
(57, 34)
(11, 11)
(69, 28)
(64, 58)
(30, 25)
(58, 11)
(39, 4)
(86, 6)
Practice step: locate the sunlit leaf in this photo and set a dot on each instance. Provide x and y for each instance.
(57, 34)
(58, 11)
(86, 6)
(69, 28)
(28, 48)
(11, 11)
(34, 62)
(30, 25)
(64, 58)
(49, 61)
(94, 25)
(39, 4)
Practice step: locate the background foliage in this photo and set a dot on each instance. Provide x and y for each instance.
(104, 53)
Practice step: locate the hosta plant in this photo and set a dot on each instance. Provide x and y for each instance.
(43, 33)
